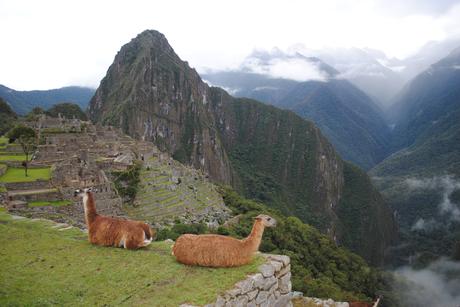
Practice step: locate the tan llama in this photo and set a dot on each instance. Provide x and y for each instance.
(108, 231)
(221, 251)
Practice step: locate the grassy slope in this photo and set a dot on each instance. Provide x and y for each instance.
(42, 266)
(17, 174)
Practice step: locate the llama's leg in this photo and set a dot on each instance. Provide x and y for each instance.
(131, 244)
(135, 239)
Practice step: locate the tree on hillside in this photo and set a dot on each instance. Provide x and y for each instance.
(26, 137)
(34, 114)
(7, 116)
(67, 110)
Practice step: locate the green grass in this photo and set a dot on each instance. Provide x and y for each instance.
(55, 203)
(13, 157)
(17, 175)
(3, 140)
(41, 265)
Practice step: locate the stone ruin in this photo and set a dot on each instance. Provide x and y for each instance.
(78, 160)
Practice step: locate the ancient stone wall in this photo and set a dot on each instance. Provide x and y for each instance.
(27, 197)
(271, 286)
(33, 185)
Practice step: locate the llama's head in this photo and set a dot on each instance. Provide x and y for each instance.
(83, 192)
(268, 221)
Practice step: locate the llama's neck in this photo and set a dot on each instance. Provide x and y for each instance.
(255, 237)
(90, 208)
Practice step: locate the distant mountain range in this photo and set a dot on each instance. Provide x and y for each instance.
(311, 88)
(426, 115)
(23, 102)
(421, 179)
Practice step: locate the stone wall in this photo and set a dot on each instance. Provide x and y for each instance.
(27, 197)
(270, 287)
(33, 185)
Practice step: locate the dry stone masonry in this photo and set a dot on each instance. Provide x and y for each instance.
(270, 287)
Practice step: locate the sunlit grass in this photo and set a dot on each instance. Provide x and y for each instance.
(13, 157)
(14, 174)
(41, 265)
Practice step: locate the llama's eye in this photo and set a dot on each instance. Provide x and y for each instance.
(269, 218)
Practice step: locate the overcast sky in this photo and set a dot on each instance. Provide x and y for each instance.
(49, 44)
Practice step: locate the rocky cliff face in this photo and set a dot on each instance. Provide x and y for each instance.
(265, 153)
(153, 95)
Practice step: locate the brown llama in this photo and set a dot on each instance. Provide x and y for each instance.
(221, 251)
(365, 304)
(108, 231)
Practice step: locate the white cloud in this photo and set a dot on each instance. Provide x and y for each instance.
(446, 185)
(287, 68)
(54, 43)
(437, 285)
(425, 225)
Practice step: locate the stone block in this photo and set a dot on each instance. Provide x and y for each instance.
(277, 265)
(258, 280)
(233, 292)
(252, 294)
(220, 302)
(262, 297)
(284, 283)
(280, 258)
(267, 270)
(283, 300)
(269, 282)
(241, 301)
(284, 270)
(245, 285)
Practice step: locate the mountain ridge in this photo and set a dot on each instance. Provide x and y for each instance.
(349, 118)
(23, 102)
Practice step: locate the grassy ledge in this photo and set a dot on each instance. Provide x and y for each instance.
(55, 203)
(12, 157)
(14, 174)
(42, 265)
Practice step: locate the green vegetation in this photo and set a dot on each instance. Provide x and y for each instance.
(7, 118)
(3, 140)
(127, 182)
(11, 157)
(67, 110)
(319, 268)
(26, 137)
(179, 229)
(45, 266)
(17, 175)
(55, 203)
(271, 167)
(161, 196)
(356, 208)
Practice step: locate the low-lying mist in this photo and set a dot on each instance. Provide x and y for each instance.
(436, 285)
(445, 186)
